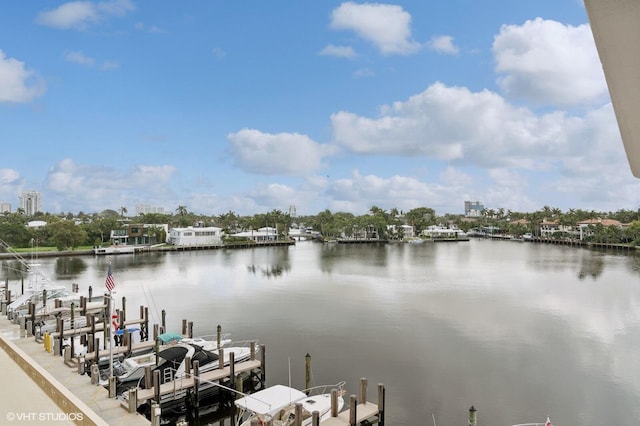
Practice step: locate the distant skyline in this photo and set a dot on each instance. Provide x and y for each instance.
(254, 106)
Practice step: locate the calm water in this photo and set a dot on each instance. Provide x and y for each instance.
(519, 330)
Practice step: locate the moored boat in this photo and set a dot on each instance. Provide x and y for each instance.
(277, 404)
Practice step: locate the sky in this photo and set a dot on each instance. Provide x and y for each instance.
(251, 106)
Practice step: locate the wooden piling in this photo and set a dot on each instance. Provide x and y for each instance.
(353, 402)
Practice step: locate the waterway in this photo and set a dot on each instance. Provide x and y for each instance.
(521, 331)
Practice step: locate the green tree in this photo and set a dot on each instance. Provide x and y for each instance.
(67, 235)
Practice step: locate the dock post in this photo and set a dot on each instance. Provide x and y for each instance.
(187, 366)
(232, 369)
(156, 330)
(164, 319)
(219, 335)
(353, 403)
(315, 418)
(298, 413)
(156, 386)
(146, 324)
(196, 386)
(90, 292)
(184, 327)
(473, 418)
(155, 414)
(263, 366)
(123, 312)
(220, 358)
(363, 390)
(334, 402)
(133, 400)
(190, 329)
(307, 375)
(95, 374)
(381, 404)
(147, 377)
(112, 387)
(252, 351)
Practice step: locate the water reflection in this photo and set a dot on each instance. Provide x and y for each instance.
(520, 330)
(69, 267)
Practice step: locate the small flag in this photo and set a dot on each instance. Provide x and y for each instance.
(110, 283)
(548, 423)
(114, 322)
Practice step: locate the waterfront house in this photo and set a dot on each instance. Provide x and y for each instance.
(191, 236)
(261, 235)
(139, 234)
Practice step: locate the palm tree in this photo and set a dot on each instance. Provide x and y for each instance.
(182, 211)
(122, 210)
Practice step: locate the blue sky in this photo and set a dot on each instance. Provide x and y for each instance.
(253, 106)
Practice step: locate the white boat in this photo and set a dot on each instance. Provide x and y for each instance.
(278, 403)
(116, 249)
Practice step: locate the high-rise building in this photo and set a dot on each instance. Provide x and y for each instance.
(473, 208)
(146, 209)
(5, 207)
(292, 210)
(30, 202)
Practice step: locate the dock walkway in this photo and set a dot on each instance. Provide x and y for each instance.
(41, 384)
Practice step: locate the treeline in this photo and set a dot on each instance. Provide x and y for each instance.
(69, 231)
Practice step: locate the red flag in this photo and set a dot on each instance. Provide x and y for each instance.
(110, 283)
(548, 423)
(114, 324)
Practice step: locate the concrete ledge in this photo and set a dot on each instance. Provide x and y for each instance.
(66, 400)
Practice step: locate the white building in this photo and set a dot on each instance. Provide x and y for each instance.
(5, 208)
(259, 236)
(195, 236)
(30, 202)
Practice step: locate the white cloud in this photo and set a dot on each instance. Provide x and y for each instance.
(10, 184)
(549, 63)
(17, 83)
(218, 52)
(88, 61)
(83, 186)
(80, 58)
(338, 51)
(386, 26)
(443, 44)
(81, 14)
(140, 26)
(282, 153)
(454, 124)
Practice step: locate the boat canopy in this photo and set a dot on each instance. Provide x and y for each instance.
(270, 399)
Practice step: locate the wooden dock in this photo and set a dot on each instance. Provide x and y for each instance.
(360, 410)
(182, 384)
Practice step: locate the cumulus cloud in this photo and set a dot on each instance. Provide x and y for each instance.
(10, 183)
(549, 63)
(338, 51)
(443, 44)
(387, 26)
(455, 124)
(102, 187)
(281, 153)
(17, 83)
(81, 14)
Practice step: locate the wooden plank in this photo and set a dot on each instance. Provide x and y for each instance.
(363, 412)
(185, 383)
